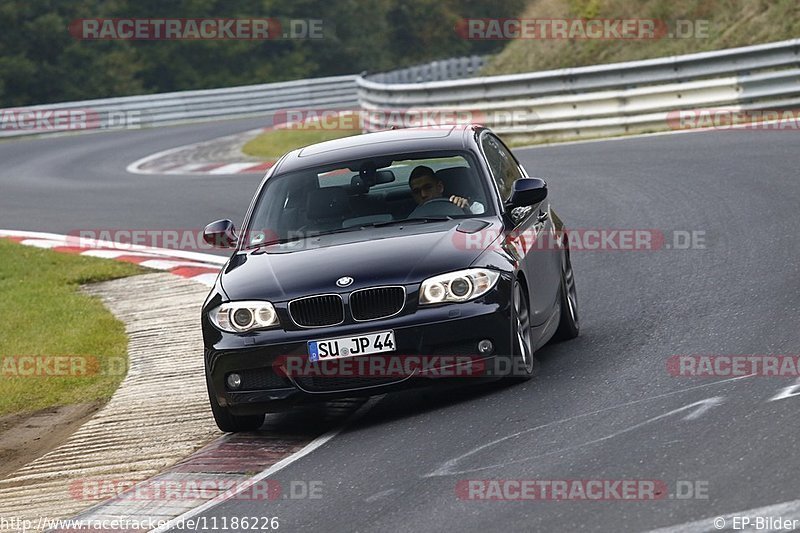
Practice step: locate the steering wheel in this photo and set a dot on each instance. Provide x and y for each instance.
(436, 206)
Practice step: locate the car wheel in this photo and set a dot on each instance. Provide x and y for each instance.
(522, 358)
(228, 422)
(569, 324)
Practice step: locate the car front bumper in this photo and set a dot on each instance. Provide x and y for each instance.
(441, 343)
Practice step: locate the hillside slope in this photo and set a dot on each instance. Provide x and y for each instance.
(730, 23)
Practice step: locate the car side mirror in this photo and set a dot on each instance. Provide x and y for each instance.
(527, 192)
(221, 234)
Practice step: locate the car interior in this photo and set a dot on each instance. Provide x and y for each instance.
(311, 202)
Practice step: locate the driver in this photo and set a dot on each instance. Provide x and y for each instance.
(425, 186)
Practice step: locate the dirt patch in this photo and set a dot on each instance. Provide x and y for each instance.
(27, 436)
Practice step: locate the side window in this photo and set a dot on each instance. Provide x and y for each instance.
(502, 164)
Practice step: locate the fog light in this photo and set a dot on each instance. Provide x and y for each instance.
(485, 347)
(234, 381)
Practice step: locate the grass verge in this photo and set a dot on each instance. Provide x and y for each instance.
(274, 143)
(57, 346)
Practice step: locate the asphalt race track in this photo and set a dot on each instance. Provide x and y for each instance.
(604, 406)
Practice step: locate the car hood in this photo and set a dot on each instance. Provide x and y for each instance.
(379, 256)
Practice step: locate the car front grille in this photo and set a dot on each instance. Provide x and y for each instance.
(333, 384)
(317, 311)
(378, 302)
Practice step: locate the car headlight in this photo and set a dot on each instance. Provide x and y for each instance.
(240, 317)
(457, 286)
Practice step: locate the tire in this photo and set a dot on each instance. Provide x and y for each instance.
(523, 361)
(569, 321)
(230, 423)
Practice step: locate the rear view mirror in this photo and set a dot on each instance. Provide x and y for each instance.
(528, 191)
(221, 234)
(384, 176)
(363, 181)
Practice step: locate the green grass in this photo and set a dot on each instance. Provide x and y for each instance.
(43, 314)
(274, 143)
(732, 23)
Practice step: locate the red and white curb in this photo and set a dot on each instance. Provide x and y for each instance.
(247, 167)
(195, 266)
(234, 466)
(203, 158)
(89, 468)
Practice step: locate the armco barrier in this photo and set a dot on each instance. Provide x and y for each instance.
(185, 106)
(578, 102)
(600, 100)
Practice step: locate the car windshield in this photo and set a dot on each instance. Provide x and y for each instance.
(367, 193)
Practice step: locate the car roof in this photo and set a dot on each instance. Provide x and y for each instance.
(378, 144)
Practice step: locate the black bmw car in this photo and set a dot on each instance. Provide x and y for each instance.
(381, 261)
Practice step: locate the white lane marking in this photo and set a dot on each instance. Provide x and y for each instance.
(447, 468)
(784, 511)
(186, 169)
(166, 264)
(42, 243)
(113, 254)
(280, 465)
(231, 168)
(787, 392)
(136, 166)
(206, 279)
(704, 405)
(32, 234)
(379, 495)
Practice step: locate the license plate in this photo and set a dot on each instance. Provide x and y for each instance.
(323, 350)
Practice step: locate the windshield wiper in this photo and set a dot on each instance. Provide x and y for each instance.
(255, 245)
(421, 220)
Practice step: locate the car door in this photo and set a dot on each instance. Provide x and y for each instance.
(533, 238)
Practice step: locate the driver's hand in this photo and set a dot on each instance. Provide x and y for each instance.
(459, 201)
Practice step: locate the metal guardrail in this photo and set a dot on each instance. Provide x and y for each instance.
(178, 107)
(567, 103)
(599, 100)
(442, 70)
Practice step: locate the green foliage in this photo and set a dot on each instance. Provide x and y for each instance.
(731, 23)
(41, 62)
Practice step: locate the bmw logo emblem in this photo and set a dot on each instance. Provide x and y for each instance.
(344, 281)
